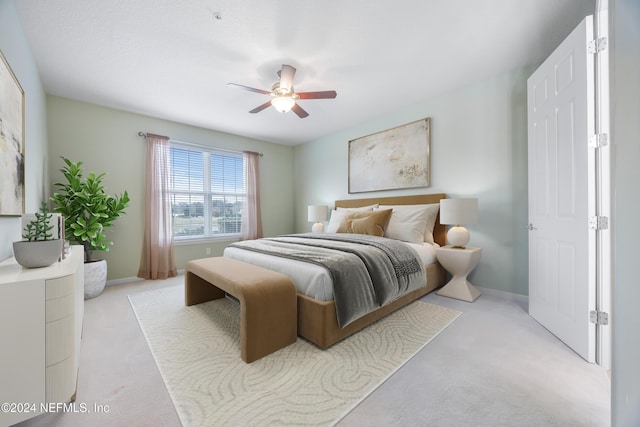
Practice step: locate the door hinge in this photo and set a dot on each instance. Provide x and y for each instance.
(599, 222)
(597, 45)
(598, 140)
(599, 317)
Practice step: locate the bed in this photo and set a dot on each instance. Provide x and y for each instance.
(316, 309)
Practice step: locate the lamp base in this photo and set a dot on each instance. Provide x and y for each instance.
(458, 236)
(318, 227)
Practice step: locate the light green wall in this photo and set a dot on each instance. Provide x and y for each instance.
(478, 149)
(16, 51)
(107, 140)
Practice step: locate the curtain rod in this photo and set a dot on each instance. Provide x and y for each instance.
(144, 135)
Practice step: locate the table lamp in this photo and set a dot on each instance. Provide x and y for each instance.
(456, 212)
(317, 213)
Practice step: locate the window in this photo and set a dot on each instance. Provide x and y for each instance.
(207, 192)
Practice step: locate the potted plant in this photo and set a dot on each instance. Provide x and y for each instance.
(39, 249)
(88, 211)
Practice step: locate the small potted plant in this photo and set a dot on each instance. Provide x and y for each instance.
(39, 249)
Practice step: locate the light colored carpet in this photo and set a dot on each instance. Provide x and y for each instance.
(198, 353)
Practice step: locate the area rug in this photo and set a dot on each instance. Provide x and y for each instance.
(197, 351)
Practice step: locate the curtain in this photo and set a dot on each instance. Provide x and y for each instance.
(251, 226)
(157, 261)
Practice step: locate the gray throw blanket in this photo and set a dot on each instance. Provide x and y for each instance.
(367, 271)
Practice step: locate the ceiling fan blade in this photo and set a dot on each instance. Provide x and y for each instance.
(251, 89)
(325, 94)
(261, 107)
(299, 111)
(286, 76)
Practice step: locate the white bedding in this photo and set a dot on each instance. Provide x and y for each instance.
(311, 279)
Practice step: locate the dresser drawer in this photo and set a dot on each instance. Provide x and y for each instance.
(60, 340)
(60, 307)
(59, 287)
(60, 381)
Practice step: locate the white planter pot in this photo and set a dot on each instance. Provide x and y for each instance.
(95, 277)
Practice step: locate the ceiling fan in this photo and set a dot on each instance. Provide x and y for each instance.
(283, 96)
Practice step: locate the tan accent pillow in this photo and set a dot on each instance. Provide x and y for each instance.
(371, 222)
(338, 214)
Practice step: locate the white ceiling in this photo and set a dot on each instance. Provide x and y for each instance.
(172, 59)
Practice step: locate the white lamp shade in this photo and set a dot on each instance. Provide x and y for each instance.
(317, 213)
(459, 211)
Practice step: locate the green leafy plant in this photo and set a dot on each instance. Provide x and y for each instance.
(87, 209)
(39, 229)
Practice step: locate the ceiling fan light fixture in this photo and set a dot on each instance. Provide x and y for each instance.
(283, 104)
(283, 96)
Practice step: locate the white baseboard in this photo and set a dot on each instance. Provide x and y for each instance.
(131, 279)
(504, 294)
(123, 281)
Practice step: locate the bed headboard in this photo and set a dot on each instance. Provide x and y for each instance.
(439, 230)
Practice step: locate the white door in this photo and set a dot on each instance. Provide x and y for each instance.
(562, 193)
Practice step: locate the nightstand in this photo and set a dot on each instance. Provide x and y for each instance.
(459, 262)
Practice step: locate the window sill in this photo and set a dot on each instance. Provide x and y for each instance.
(227, 238)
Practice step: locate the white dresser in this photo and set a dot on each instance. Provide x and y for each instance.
(41, 312)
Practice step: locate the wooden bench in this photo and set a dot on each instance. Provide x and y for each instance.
(268, 312)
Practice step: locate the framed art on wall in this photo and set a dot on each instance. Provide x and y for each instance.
(11, 142)
(393, 159)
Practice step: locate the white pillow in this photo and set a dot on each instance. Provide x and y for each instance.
(432, 214)
(407, 223)
(412, 223)
(338, 214)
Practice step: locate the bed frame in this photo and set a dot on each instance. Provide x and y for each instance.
(317, 320)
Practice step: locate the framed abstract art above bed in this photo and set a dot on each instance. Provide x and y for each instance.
(11, 142)
(392, 159)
